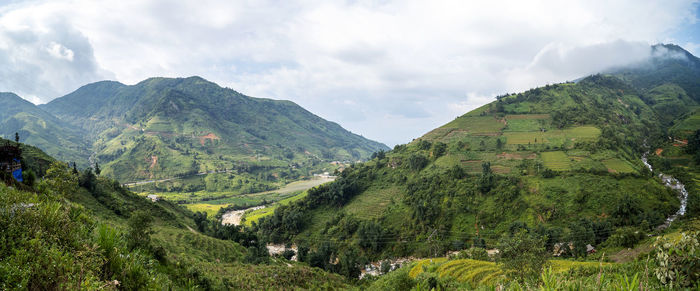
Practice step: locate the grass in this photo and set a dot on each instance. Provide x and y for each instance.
(371, 203)
(557, 160)
(688, 125)
(618, 166)
(210, 209)
(480, 124)
(523, 125)
(478, 272)
(555, 138)
(511, 117)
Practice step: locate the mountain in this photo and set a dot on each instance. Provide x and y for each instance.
(171, 127)
(73, 230)
(40, 128)
(561, 161)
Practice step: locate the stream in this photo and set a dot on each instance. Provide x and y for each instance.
(674, 184)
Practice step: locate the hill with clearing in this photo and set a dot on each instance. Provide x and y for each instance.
(562, 161)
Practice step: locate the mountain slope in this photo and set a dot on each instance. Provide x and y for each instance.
(75, 230)
(40, 128)
(561, 160)
(171, 127)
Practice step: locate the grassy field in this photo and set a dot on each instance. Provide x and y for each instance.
(371, 203)
(688, 125)
(553, 137)
(526, 116)
(557, 160)
(523, 125)
(480, 124)
(482, 272)
(618, 166)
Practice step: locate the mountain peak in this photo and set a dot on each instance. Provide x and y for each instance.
(672, 52)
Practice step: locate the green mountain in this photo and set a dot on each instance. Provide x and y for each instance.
(38, 127)
(165, 128)
(561, 161)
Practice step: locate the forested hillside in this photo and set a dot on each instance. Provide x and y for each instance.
(563, 163)
(163, 128)
(78, 230)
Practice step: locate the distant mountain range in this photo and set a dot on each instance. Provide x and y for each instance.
(164, 127)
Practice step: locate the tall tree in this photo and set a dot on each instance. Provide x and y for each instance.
(523, 256)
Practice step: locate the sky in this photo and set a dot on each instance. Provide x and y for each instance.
(387, 70)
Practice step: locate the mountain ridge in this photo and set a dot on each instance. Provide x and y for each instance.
(171, 116)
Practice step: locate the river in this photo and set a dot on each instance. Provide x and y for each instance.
(674, 184)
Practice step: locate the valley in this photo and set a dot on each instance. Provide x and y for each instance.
(180, 183)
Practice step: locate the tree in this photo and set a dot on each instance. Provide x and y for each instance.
(487, 179)
(499, 143)
(257, 253)
(369, 236)
(351, 263)
(75, 169)
(17, 137)
(200, 219)
(59, 179)
(97, 169)
(87, 180)
(417, 162)
(139, 235)
(439, 149)
(28, 178)
(523, 256)
(626, 211)
(581, 235)
(323, 256)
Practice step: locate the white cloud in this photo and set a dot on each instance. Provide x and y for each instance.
(59, 51)
(407, 66)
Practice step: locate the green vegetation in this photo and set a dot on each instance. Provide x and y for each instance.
(561, 163)
(73, 230)
(553, 171)
(178, 128)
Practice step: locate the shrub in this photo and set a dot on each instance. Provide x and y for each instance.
(678, 261)
(522, 256)
(474, 254)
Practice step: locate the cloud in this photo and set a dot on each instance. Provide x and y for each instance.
(44, 62)
(408, 66)
(557, 62)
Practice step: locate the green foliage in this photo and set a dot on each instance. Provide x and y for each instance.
(139, 235)
(522, 256)
(627, 211)
(474, 253)
(257, 253)
(417, 162)
(678, 261)
(486, 181)
(350, 263)
(88, 180)
(370, 236)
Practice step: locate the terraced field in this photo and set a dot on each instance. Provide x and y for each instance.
(618, 166)
(480, 124)
(553, 137)
(557, 160)
(372, 203)
(482, 272)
